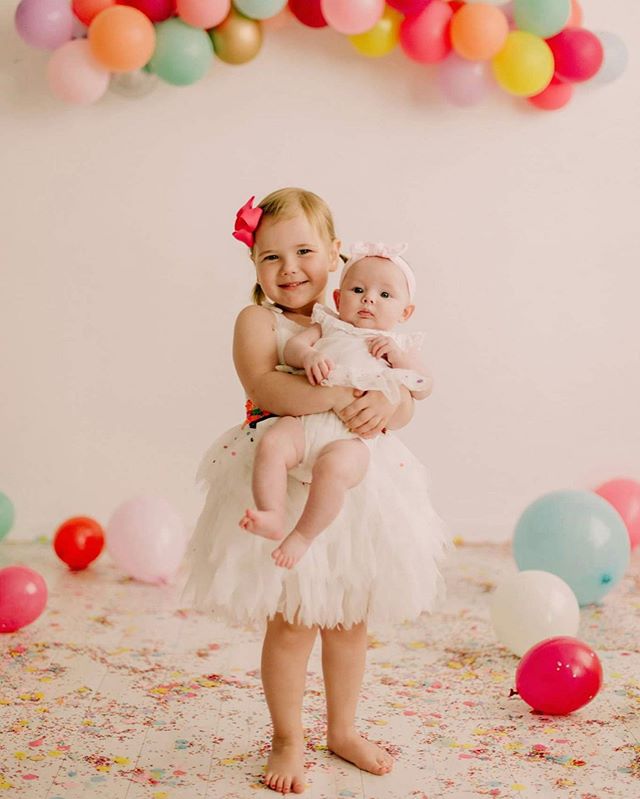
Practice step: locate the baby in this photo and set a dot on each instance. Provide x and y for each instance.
(357, 347)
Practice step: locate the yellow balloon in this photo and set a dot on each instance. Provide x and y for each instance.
(382, 38)
(525, 64)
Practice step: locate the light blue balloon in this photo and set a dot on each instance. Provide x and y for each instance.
(577, 535)
(7, 515)
(260, 9)
(545, 18)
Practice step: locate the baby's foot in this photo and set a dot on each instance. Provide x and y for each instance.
(267, 523)
(291, 550)
(364, 754)
(285, 767)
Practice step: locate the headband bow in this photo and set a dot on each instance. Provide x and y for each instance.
(247, 220)
(377, 249)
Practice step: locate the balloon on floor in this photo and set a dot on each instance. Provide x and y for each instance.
(23, 597)
(78, 542)
(624, 494)
(7, 515)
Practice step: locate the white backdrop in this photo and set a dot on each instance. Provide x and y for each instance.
(120, 279)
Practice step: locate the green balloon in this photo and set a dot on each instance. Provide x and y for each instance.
(545, 18)
(183, 53)
(7, 515)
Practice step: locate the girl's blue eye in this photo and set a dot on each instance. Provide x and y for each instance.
(303, 250)
(269, 257)
(385, 294)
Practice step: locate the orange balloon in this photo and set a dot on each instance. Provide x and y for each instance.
(478, 31)
(575, 20)
(122, 38)
(86, 10)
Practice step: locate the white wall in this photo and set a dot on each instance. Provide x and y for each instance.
(120, 279)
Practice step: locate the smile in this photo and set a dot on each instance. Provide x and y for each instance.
(292, 285)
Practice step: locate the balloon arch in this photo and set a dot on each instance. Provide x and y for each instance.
(533, 49)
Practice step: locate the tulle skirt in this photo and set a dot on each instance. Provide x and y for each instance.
(377, 562)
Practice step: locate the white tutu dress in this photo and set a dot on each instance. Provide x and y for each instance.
(377, 562)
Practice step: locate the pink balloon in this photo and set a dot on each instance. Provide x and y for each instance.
(203, 13)
(46, 24)
(577, 52)
(463, 82)
(75, 76)
(624, 495)
(559, 675)
(409, 7)
(23, 597)
(425, 37)
(555, 96)
(146, 538)
(355, 16)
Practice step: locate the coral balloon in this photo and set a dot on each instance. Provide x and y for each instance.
(425, 37)
(462, 82)
(524, 66)
(575, 18)
(122, 39)
(409, 7)
(7, 515)
(155, 10)
(237, 40)
(559, 675)
(259, 9)
(578, 54)
(309, 12)
(75, 76)
(78, 542)
(86, 10)
(46, 24)
(478, 32)
(557, 94)
(615, 58)
(356, 16)
(203, 13)
(183, 54)
(23, 597)
(382, 38)
(146, 538)
(624, 495)
(542, 17)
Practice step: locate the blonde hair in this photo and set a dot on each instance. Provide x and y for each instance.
(285, 203)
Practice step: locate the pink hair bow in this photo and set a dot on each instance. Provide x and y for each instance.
(247, 220)
(377, 249)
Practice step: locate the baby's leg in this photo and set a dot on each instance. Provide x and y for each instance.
(339, 466)
(285, 654)
(279, 449)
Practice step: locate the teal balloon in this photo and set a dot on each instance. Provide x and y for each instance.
(183, 53)
(577, 535)
(7, 515)
(543, 17)
(259, 9)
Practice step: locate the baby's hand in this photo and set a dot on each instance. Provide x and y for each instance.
(316, 366)
(385, 347)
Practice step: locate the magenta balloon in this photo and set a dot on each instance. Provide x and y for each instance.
(425, 37)
(577, 52)
(464, 82)
(408, 7)
(23, 597)
(45, 24)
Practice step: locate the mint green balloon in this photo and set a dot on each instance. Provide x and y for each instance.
(259, 9)
(7, 515)
(183, 53)
(545, 18)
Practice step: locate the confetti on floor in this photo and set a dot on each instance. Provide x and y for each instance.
(118, 691)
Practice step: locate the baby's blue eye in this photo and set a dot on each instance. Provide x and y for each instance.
(358, 290)
(385, 294)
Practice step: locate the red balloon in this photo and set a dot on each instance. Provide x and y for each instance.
(577, 52)
(308, 12)
(425, 38)
(23, 597)
(409, 7)
(556, 95)
(156, 10)
(559, 675)
(78, 542)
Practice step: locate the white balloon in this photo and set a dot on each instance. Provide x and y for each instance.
(133, 84)
(532, 606)
(615, 59)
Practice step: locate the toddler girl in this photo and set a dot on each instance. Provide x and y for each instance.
(376, 562)
(353, 348)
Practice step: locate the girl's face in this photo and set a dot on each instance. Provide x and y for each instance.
(293, 261)
(374, 295)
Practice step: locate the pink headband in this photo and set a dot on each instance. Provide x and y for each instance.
(376, 249)
(247, 220)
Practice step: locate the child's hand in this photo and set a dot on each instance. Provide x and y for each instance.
(368, 415)
(385, 347)
(316, 366)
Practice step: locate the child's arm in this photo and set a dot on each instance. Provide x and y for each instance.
(385, 347)
(299, 352)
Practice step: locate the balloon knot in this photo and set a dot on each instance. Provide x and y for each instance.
(513, 693)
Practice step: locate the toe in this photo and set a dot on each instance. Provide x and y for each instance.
(286, 787)
(297, 786)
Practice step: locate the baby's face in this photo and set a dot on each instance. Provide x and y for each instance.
(374, 294)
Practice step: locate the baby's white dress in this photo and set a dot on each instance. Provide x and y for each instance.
(377, 562)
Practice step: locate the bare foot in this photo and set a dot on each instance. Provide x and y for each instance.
(267, 523)
(285, 767)
(362, 753)
(291, 550)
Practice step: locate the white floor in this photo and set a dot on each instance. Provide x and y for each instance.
(116, 692)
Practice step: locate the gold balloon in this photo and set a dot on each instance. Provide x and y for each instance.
(238, 39)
